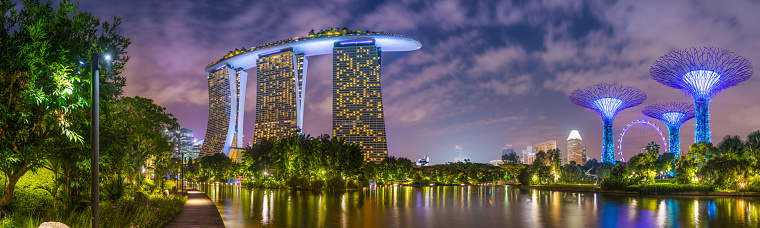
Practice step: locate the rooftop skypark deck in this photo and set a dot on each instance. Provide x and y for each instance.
(315, 44)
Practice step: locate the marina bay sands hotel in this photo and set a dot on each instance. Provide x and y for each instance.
(281, 71)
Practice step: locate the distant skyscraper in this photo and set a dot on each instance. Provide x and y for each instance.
(545, 146)
(196, 149)
(357, 101)
(458, 151)
(585, 158)
(574, 148)
(507, 150)
(528, 156)
(225, 112)
(279, 94)
(182, 140)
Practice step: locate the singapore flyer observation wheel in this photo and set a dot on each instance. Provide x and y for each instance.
(637, 135)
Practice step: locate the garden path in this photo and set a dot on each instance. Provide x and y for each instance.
(199, 211)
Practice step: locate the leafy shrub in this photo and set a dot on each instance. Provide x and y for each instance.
(295, 182)
(336, 183)
(317, 184)
(613, 184)
(525, 176)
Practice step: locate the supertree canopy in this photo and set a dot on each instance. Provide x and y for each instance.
(701, 72)
(673, 114)
(608, 100)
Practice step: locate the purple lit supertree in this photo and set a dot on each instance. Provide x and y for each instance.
(608, 100)
(673, 114)
(701, 72)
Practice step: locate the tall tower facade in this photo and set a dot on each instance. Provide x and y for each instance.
(226, 97)
(545, 146)
(280, 88)
(183, 142)
(574, 148)
(357, 113)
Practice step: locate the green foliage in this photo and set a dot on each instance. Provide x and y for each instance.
(218, 166)
(45, 93)
(122, 213)
(527, 176)
(667, 189)
(731, 144)
(458, 173)
(614, 184)
(644, 166)
(299, 159)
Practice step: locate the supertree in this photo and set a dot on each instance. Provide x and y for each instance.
(701, 72)
(608, 100)
(673, 114)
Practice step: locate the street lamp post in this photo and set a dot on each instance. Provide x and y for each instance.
(95, 140)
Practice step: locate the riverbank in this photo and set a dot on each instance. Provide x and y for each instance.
(586, 189)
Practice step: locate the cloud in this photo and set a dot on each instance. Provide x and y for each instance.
(479, 60)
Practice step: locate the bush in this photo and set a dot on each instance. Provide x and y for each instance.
(336, 183)
(297, 183)
(667, 189)
(525, 177)
(613, 184)
(317, 184)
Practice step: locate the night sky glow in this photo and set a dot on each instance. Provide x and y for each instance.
(489, 73)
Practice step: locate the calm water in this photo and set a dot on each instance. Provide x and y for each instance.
(472, 206)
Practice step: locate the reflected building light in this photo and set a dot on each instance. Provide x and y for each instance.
(696, 211)
(265, 209)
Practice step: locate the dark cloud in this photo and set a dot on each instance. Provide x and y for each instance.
(489, 72)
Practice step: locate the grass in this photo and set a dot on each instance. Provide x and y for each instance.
(32, 206)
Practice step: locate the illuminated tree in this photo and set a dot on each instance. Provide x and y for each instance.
(673, 114)
(608, 100)
(701, 72)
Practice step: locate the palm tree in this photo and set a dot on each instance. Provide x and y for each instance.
(731, 144)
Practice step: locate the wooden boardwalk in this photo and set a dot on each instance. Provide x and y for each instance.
(199, 211)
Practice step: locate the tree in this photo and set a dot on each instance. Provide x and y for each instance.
(44, 97)
(731, 144)
(510, 158)
(643, 166)
(218, 164)
(753, 143)
(554, 160)
(665, 162)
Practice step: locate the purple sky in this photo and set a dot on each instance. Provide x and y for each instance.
(488, 73)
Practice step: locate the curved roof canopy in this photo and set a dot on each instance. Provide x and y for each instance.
(608, 99)
(310, 46)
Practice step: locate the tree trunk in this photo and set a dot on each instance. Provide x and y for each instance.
(12, 180)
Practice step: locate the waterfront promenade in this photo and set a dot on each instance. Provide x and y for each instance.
(199, 211)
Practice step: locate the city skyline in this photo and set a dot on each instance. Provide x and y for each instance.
(501, 76)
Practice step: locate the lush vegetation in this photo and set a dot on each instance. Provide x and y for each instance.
(732, 166)
(302, 162)
(45, 83)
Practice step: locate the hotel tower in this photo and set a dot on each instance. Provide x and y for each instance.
(281, 70)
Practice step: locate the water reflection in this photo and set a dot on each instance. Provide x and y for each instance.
(468, 206)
